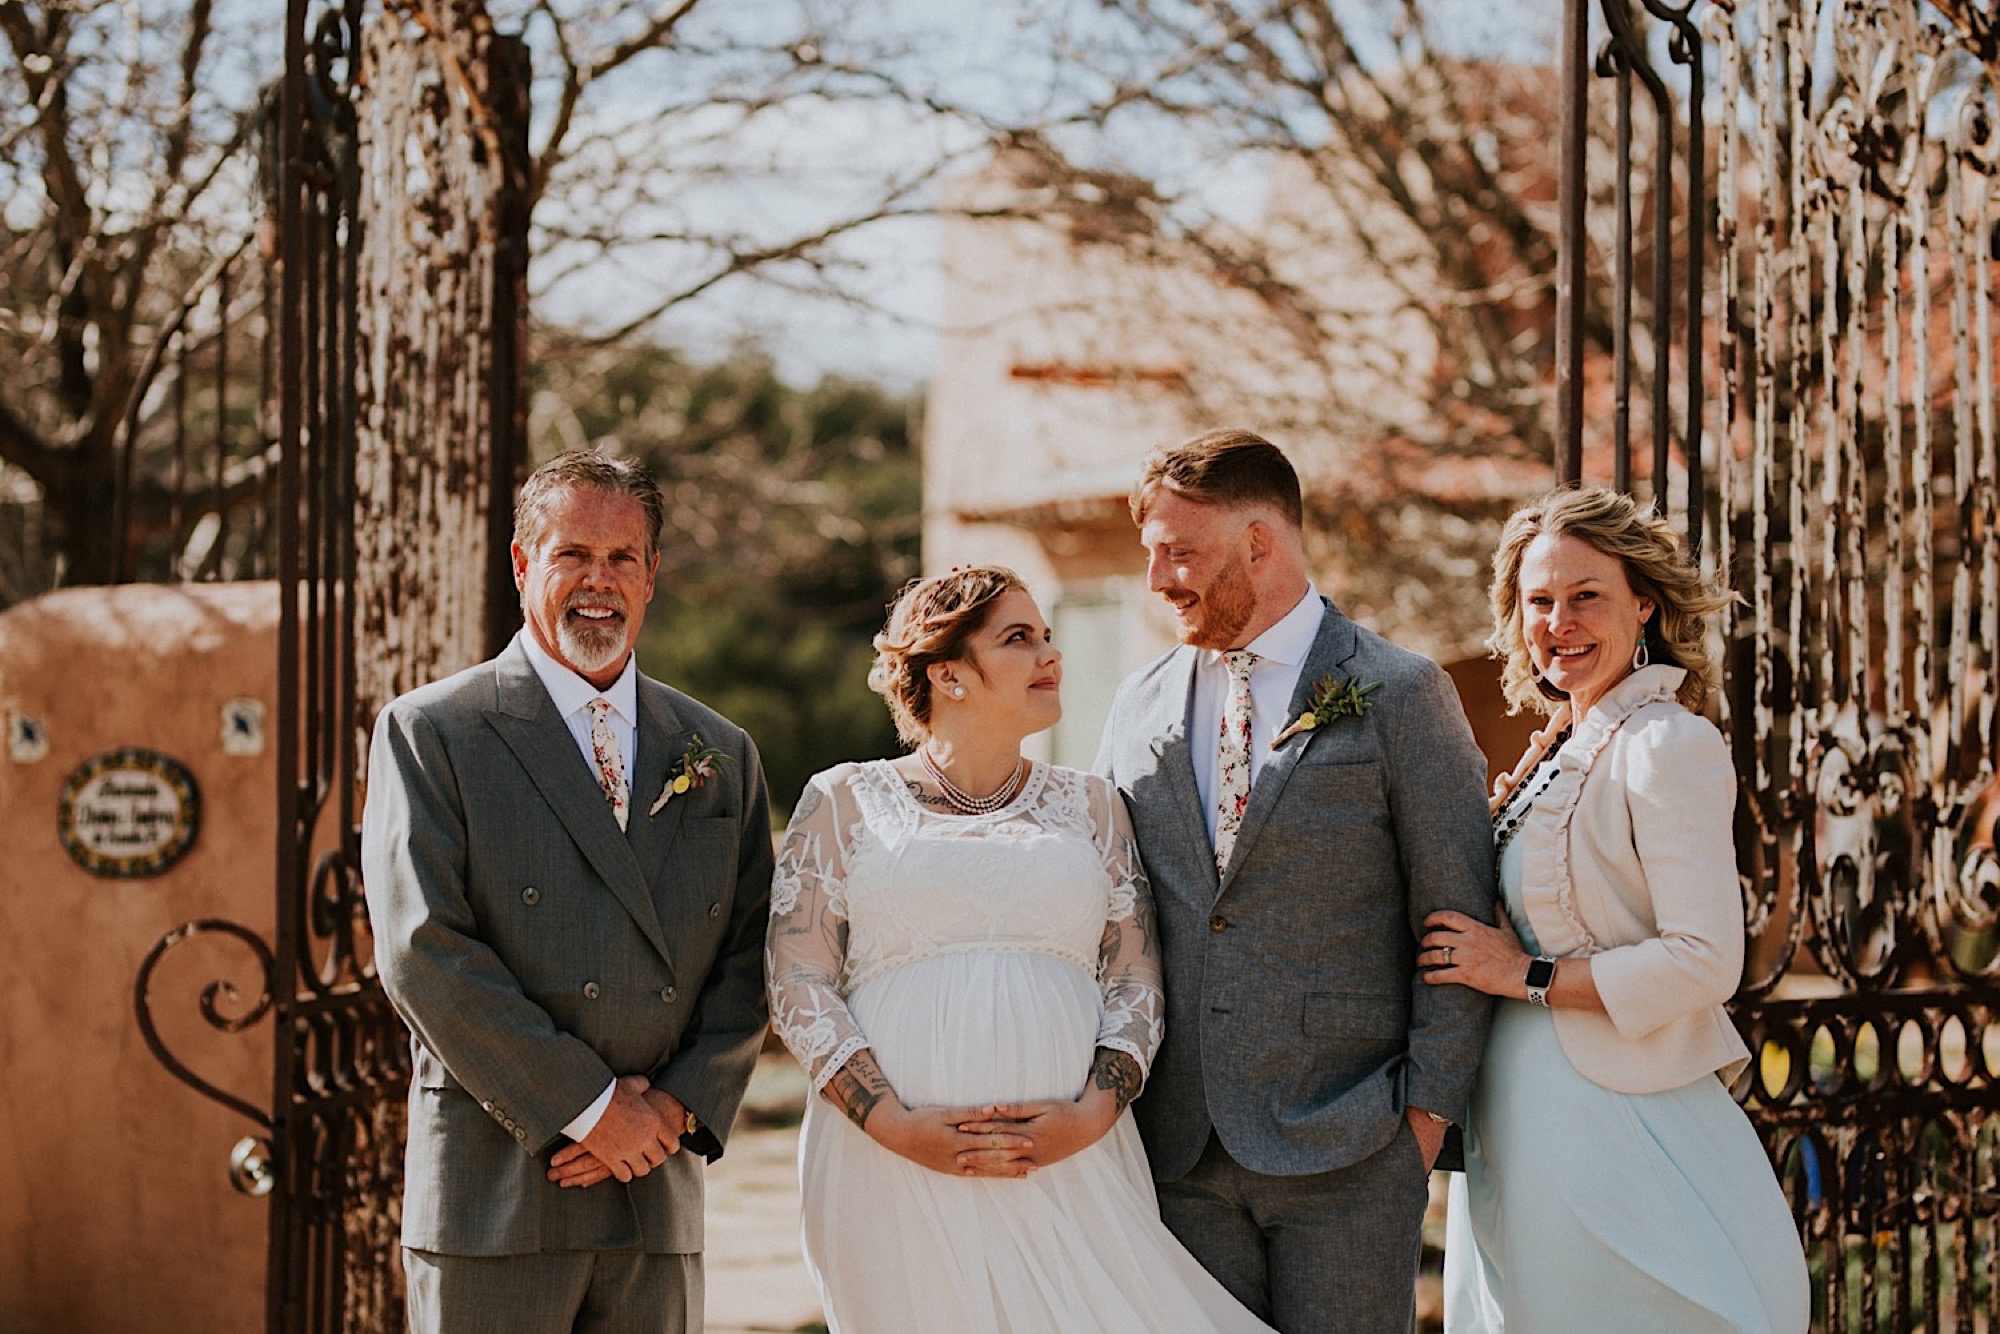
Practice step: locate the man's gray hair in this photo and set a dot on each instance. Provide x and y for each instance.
(586, 469)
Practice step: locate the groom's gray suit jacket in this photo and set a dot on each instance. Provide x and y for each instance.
(536, 951)
(1297, 1026)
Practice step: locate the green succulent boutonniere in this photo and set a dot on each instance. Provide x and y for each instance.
(1331, 699)
(690, 771)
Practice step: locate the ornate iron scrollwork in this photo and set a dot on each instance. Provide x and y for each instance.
(1856, 458)
(1867, 853)
(210, 1004)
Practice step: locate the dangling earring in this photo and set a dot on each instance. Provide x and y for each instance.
(1640, 657)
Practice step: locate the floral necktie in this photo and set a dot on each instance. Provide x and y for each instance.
(1232, 790)
(610, 761)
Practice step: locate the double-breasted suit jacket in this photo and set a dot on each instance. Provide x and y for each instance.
(537, 951)
(1297, 1026)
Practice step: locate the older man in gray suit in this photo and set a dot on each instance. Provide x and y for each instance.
(1304, 794)
(568, 868)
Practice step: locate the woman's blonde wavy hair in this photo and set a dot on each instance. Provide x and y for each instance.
(932, 620)
(1656, 566)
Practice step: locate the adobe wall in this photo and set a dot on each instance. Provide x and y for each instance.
(116, 1212)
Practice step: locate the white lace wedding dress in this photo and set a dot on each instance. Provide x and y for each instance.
(983, 959)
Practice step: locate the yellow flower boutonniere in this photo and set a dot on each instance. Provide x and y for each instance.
(690, 771)
(1331, 699)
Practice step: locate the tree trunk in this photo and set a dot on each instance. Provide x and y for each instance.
(441, 275)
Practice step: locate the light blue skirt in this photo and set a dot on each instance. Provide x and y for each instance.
(1618, 1213)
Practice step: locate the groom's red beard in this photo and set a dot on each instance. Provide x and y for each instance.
(592, 645)
(1223, 610)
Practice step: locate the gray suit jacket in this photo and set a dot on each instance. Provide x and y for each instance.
(536, 952)
(1297, 1027)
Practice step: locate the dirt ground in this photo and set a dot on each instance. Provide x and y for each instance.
(757, 1280)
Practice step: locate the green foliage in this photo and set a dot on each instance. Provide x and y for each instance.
(798, 687)
(792, 518)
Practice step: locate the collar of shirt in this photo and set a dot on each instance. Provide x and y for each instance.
(1285, 643)
(571, 692)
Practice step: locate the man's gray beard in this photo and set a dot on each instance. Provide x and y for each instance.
(588, 648)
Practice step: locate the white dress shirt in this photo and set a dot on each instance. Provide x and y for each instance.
(1281, 655)
(572, 695)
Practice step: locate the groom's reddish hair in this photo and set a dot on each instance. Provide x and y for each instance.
(1231, 467)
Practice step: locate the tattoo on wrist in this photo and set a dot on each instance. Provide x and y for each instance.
(1116, 1073)
(857, 1091)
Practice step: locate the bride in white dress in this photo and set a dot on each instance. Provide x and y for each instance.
(972, 985)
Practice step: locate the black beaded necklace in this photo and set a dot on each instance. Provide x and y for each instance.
(1513, 813)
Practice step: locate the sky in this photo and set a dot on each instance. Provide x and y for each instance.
(786, 171)
(780, 172)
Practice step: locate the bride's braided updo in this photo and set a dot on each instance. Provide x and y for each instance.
(932, 620)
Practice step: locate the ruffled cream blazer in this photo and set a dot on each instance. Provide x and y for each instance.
(1628, 860)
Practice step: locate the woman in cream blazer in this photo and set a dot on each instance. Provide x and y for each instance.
(1611, 1182)
(1630, 852)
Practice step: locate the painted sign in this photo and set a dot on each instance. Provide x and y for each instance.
(129, 813)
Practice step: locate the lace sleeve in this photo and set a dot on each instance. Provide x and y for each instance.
(1128, 959)
(806, 945)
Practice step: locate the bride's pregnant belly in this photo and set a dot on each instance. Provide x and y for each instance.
(973, 1028)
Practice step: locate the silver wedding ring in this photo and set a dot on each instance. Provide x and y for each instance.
(1447, 956)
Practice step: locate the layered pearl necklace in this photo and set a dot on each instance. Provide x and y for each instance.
(962, 801)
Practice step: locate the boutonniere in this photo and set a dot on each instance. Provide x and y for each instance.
(690, 771)
(1331, 699)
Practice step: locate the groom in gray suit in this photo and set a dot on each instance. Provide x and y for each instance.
(568, 868)
(1304, 793)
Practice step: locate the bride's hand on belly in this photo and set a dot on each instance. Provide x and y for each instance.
(1052, 1130)
(939, 1138)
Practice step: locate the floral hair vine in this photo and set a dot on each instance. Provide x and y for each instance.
(1331, 698)
(689, 772)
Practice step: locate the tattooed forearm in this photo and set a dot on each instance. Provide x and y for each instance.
(810, 801)
(1145, 920)
(858, 1086)
(1117, 1074)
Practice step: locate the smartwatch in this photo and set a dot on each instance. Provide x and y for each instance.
(1541, 972)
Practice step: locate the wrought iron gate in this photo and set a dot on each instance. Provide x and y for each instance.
(328, 1151)
(1844, 410)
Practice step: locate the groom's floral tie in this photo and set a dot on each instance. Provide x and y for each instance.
(610, 761)
(1232, 791)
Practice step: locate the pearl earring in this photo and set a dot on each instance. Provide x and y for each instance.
(958, 692)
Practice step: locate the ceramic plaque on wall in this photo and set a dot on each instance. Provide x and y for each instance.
(129, 813)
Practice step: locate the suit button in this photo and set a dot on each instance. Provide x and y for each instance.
(669, 995)
(1218, 923)
(531, 896)
(590, 991)
(714, 910)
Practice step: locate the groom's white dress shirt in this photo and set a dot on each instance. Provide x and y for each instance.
(572, 694)
(1281, 652)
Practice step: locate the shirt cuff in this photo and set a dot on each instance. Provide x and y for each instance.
(587, 1119)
